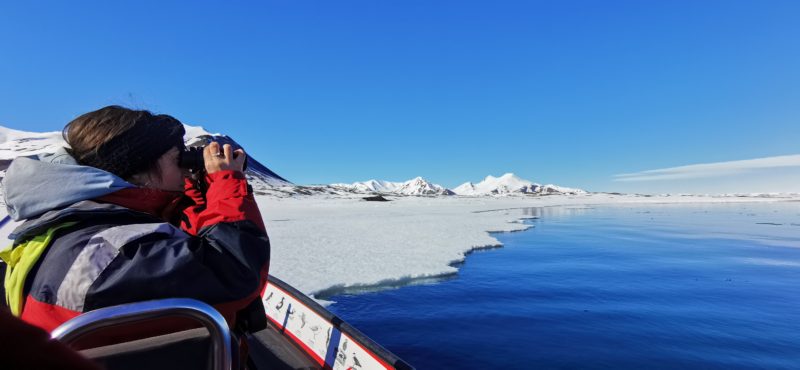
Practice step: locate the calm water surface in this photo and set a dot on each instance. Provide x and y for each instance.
(664, 286)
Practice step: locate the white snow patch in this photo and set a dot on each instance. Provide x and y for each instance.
(195, 131)
(14, 143)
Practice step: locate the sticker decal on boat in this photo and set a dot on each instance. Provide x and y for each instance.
(307, 328)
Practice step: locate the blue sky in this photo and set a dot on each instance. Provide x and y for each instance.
(567, 92)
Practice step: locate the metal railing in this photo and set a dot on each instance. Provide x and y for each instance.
(212, 320)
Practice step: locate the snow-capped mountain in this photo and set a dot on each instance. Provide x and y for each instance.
(511, 184)
(420, 186)
(555, 189)
(415, 186)
(15, 143)
(371, 186)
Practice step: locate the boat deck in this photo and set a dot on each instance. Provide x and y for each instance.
(190, 349)
(269, 349)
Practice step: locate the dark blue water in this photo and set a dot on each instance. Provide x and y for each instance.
(703, 287)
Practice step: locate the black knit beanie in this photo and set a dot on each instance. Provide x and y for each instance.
(138, 148)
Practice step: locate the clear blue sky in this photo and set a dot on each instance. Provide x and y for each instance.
(568, 92)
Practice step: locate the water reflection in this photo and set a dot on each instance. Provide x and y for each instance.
(554, 212)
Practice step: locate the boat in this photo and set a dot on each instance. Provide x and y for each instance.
(300, 334)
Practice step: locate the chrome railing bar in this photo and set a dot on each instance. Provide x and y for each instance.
(127, 313)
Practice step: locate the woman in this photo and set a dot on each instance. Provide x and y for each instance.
(114, 219)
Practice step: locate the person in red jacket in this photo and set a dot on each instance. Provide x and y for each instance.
(114, 219)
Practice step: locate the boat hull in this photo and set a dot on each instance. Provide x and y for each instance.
(325, 338)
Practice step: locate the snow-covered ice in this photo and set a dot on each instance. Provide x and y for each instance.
(327, 245)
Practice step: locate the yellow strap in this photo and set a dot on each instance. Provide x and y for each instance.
(20, 261)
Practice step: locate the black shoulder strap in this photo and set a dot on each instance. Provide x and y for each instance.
(252, 318)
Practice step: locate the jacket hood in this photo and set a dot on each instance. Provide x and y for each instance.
(35, 185)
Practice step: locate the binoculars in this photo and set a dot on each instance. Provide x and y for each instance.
(191, 158)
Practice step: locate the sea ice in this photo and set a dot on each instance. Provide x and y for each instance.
(320, 244)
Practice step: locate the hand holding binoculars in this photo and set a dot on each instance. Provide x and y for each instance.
(212, 157)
